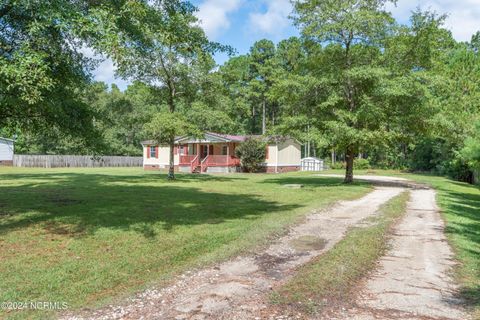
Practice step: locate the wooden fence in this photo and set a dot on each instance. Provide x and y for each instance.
(62, 161)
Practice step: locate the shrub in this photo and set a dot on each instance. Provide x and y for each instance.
(361, 164)
(358, 164)
(252, 154)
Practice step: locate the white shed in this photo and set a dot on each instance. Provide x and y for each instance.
(6, 151)
(311, 164)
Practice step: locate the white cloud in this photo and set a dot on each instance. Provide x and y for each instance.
(463, 15)
(105, 70)
(213, 15)
(274, 20)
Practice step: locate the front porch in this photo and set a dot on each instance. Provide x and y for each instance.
(208, 157)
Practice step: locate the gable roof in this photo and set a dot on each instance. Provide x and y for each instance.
(228, 137)
(212, 137)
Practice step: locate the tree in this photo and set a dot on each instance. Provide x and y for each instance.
(262, 66)
(360, 101)
(164, 126)
(471, 150)
(42, 68)
(169, 60)
(122, 115)
(252, 154)
(235, 78)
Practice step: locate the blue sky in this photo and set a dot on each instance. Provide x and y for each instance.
(240, 23)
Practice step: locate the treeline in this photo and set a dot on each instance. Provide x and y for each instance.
(355, 84)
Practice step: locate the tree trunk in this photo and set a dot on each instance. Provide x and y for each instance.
(264, 120)
(171, 107)
(254, 120)
(350, 155)
(171, 167)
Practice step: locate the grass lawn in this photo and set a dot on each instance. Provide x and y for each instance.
(460, 205)
(329, 280)
(86, 236)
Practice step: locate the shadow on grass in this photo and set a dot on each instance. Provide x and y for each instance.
(76, 204)
(313, 181)
(466, 224)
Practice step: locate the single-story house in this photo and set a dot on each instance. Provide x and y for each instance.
(215, 152)
(6, 151)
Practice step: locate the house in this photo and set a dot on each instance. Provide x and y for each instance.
(6, 151)
(215, 152)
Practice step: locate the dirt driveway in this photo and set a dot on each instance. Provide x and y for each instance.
(411, 281)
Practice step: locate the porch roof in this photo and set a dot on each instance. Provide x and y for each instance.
(210, 137)
(213, 137)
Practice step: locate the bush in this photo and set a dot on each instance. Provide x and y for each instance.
(358, 164)
(252, 154)
(361, 164)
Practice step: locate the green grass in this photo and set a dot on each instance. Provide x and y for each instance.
(87, 236)
(460, 206)
(329, 279)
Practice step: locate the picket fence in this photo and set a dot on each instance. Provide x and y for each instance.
(63, 161)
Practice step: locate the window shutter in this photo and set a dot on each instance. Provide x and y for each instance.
(266, 153)
(148, 151)
(175, 150)
(156, 152)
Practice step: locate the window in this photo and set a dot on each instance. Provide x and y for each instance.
(181, 150)
(192, 149)
(153, 153)
(224, 150)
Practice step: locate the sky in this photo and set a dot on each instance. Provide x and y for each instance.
(239, 23)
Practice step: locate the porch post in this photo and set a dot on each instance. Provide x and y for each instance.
(228, 154)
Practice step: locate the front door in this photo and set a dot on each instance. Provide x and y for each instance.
(203, 151)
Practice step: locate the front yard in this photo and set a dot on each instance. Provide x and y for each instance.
(87, 236)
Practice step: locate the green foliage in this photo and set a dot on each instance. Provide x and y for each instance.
(405, 96)
(43, 69)
(358, 164)
(209, 119)
(252, 154)
(471, 150)
(356, 98)
(165, 126)
(361, 164)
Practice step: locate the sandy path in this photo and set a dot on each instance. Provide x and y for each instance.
(413, 281)
(239, 289)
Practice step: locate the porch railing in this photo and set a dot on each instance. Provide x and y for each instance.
(220, 161)
(187, 159)
(194, 163)
(204, 164)
(209, 161)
